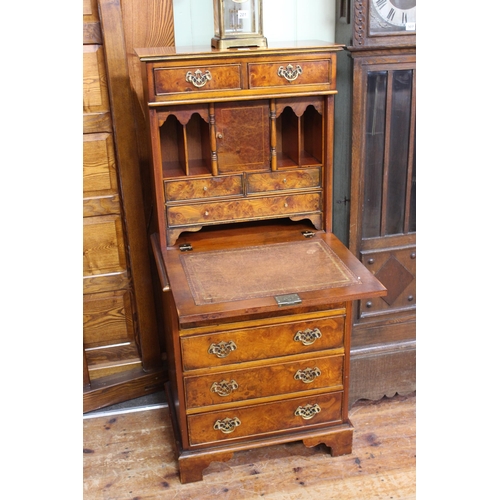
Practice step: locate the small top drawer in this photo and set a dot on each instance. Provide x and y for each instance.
(287, 73)
(236, 346)
(197, 78)
(277, 181)
(208, 187)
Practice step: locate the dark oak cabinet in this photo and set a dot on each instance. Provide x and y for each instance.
(383, 219)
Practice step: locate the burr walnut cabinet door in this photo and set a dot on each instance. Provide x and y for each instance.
(242, 133)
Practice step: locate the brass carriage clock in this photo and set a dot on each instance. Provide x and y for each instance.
(238, 23)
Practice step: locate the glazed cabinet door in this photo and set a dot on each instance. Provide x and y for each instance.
(383, 220)
(386, 193)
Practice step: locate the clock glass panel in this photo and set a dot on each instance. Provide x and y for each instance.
(392, 16)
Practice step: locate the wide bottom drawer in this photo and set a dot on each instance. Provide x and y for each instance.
(277, 417)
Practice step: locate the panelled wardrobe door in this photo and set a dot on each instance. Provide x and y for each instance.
(383, 219)
(107, 294)
(121, 348)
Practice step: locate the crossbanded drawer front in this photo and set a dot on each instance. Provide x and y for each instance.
(266, 418)
(230, 185)
(278, 181)
(219, 349)
(197, 78)
(289, 72)
(247, 209)
(271, 380)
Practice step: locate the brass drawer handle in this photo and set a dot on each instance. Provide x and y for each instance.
(222, 349)
(227, 425)
(289, 73)
(308, 375)
(198, 79)
(308, 411)
(307, 337)
(224, 387)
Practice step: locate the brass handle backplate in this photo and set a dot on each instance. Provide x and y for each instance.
(308, 336)
(307, 375)
(198, 79)
(289, 73)
(224, 387)
(227, 425)
(222, 349)
(308, 411)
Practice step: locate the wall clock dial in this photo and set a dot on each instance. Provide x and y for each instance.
(387, 16)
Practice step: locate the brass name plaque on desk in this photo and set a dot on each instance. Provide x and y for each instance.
(288, 300)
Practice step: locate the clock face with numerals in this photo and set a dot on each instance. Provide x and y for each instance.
(389, 16)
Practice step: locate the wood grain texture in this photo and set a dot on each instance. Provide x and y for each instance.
(130, 180)
(132, 456)
(95, 85)
(107, 318)
(145, 24)
(99, 167)
(103, 245)
(120, 387)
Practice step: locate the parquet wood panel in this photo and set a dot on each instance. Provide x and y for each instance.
(131, 456)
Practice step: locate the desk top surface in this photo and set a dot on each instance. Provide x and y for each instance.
(237, 275)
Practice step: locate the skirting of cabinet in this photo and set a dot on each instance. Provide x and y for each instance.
(192, 463)
(382, 370)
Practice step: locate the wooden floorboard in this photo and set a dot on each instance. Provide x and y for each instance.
(131, 456)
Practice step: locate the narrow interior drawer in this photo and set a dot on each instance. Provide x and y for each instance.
(278, 181)
(228, 185)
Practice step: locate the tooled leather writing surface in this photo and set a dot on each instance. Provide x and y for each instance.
(264, 270)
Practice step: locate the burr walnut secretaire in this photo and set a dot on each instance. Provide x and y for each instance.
(256, 289)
